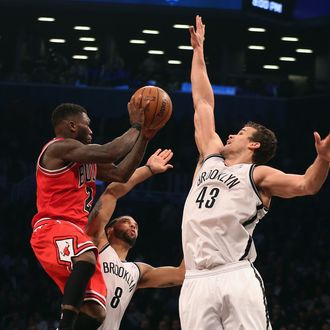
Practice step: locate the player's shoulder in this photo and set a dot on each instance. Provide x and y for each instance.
(143, 267)
(262, 172)
(264, 169)
(63, 145)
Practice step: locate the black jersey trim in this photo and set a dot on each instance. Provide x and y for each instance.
(138, 267)
(211, 156)
(253, 166)
(248, 222)
(104, 247)
(264, 296)
(247, 249)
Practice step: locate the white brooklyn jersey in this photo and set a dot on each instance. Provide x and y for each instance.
(121, 279)
(220, 214)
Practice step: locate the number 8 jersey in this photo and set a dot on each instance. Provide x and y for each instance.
(66, 193)
(121, 279)
(220, 214)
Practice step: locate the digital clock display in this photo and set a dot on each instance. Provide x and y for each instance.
(273, 6)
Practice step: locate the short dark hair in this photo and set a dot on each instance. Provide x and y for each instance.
(267, 140)
(112, 222)
(64, 111)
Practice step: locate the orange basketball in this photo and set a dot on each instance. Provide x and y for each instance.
(159, 110)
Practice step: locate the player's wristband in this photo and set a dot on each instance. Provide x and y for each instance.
(137, 126)
(150, 169)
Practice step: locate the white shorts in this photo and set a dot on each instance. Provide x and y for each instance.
(227, 297)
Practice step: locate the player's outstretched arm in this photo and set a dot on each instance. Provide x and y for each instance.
(160, 277)
(277, 183)
(207, 140)
(158, 162)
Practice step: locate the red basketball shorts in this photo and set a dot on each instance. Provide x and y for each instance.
(55, 243)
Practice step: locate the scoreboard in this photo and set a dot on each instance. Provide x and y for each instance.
(280, 9)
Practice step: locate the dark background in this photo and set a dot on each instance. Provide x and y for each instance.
(36, 75)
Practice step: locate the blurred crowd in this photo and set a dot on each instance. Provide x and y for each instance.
(292, 241)
(35, 60)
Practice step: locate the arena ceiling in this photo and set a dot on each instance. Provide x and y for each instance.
(228, 35)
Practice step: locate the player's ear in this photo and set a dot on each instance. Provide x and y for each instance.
(72, 125)
(253, 145)
(108, 232)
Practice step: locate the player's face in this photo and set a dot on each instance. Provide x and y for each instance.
(239, 141)
(84, 133)
(126, 229)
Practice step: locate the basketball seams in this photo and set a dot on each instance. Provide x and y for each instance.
(152, 123)
(160, 106)
(167, 112)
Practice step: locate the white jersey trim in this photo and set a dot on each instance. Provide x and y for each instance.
(140, 274)
(104, 247)
(217, 270)
(253, 166)
(52, 172)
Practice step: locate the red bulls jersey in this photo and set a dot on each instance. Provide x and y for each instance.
(66, 193)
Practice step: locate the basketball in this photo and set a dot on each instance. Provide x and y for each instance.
(159, 110)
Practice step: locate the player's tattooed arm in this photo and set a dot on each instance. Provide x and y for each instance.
(99, 217)
(95, 211)
(105, 206)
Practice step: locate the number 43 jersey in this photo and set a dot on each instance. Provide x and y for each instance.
(220, 214)
(121, 279)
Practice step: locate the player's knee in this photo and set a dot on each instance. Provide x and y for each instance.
(102, 314)
(93, 310)
(88, 256)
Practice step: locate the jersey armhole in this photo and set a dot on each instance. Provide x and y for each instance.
(138, 267)
(252, 167)
(52, 172)
(211, 156)
(104, 247)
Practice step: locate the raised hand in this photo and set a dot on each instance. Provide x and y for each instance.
(158, 161)
(136, 111)
(322, 146)
(197, 36)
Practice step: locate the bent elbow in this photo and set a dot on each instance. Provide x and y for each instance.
(309, 190)
(313, 190)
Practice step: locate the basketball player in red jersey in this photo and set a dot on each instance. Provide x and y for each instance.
(67, 169)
